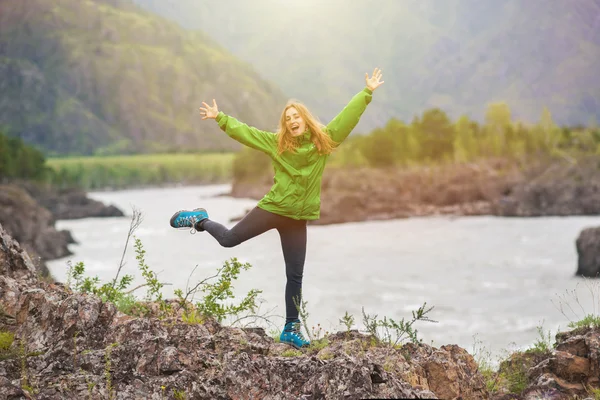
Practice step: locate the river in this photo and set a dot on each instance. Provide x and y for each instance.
(492, 281)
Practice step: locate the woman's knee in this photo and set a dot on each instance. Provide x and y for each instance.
(294, 276)
(229, 239)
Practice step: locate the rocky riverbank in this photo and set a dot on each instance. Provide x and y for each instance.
(57, 344)
(493, 187)
(69, 203)
(29, 213)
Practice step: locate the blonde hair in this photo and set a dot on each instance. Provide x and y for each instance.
(285, 140)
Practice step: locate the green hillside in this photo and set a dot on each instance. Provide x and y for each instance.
(458, 55)
(105, 77)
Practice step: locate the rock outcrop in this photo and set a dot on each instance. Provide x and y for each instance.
(15, 263)
(72, 346)
(29, 212)
(557, 189)
(32, 226)
(69, 203)
(588, 252)
(570, 371)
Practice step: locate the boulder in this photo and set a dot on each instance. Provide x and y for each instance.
(572, 370)
(588, 252)
(15, 263)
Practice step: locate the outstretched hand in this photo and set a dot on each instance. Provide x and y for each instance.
(208, 111)
(374, 81)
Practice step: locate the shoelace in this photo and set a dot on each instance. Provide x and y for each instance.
(297, 331)
(183, 221)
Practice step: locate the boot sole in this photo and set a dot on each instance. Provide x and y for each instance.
(294, 346)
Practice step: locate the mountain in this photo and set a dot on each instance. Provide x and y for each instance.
(458, 55)
(105, 76)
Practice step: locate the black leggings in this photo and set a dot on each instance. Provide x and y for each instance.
(293, 243)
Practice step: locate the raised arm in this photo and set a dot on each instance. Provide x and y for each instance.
(340, 127)
(246, 135)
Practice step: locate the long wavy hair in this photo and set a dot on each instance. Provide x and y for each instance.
(285, 140)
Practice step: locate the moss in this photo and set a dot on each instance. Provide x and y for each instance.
(325, 355)
(179, 394)
(291, 353)
(319, 344)
(6, 340)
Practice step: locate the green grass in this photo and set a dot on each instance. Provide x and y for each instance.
(6, 341)
(291, 353)
(141, 170)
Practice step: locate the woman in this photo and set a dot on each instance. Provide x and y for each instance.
(299, 152)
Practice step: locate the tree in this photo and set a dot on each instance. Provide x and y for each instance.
(497, 119)
(465, 146)
(551, 131)
(18, 160)
(497, 116)
(6, 163)
(378, 148)
(398, 132)
(437, 135)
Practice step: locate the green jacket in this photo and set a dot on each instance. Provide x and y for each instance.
(296, 192)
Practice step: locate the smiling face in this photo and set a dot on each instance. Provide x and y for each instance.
(294, 122)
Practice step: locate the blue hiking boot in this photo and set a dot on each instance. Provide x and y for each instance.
(189, 219)
(292, 335)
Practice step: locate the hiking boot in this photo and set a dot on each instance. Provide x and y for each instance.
(292, 335)
(189, 219)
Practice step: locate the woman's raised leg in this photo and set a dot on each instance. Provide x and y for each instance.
(256, 222)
